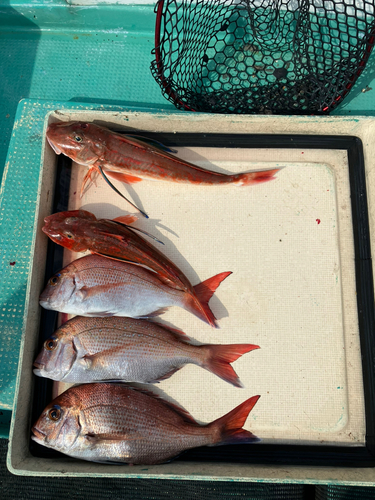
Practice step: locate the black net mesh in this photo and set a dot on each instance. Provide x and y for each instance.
(261, 56)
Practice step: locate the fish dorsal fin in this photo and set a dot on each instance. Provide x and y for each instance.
(153, 142)
(175, 331)
(119, 259)
(181, 411)
(99, 438)
(164, 154)
(178, 334)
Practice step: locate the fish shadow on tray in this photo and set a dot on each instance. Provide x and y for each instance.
(169, 249)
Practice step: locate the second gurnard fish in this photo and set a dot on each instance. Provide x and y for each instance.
(129, 350)
(97, 286)
(115, 423)
(130, 159)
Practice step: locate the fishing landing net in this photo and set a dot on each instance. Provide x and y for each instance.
(261, 56)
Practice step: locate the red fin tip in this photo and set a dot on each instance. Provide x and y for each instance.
(230, 425)
(204, 291)
(220, 357)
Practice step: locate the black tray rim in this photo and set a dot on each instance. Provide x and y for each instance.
(302, 455)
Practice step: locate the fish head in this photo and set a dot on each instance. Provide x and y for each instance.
(59, 289)
(57, 356)
(68, 228)
(59, 425)
(78, 140)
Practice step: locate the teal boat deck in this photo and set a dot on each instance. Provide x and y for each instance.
(50, 50)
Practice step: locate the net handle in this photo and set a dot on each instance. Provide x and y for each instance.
(159, 63)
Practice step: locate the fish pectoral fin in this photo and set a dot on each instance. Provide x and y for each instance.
(99, 358)
(85, 292)
(95, 439)
(90, 178)
(118, 176)
(82, 293)
(87, 361)
(112, 235)
(132, 229)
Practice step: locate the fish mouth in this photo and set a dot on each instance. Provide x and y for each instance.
(45, 303)
(53, 146)
(51, 233)
(37, 435)
(39, 369)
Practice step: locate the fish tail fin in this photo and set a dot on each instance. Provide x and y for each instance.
(251, 178)
(229, 427)
(219, 359)
(198, 304)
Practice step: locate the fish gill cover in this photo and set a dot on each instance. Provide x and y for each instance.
(261, 56)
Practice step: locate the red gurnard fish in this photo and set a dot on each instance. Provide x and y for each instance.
(79, 230)
(130, 159)
(116, 423)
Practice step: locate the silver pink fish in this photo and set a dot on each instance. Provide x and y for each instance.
(97, 286)
(115, 423)
(131, 350)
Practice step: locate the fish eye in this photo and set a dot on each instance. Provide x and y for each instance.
(50, 344)
(54, 413)
(78, 138)
(54, 280)
(68, 235)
